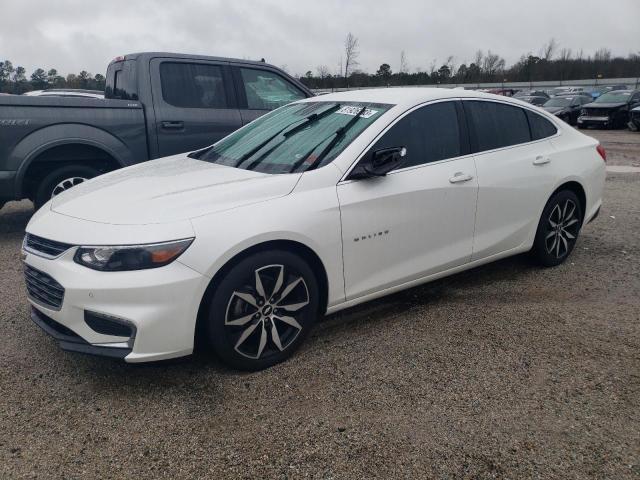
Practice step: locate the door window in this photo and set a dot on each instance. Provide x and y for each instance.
(496, 125)
(429, 134)
(193, 85)
(540, 127)
(267, 90)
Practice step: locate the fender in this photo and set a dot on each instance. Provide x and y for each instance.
(28, 149)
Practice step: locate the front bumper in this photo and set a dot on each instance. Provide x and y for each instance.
(160, 304)
(591, 121)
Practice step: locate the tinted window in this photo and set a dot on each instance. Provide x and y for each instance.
(429, 134)
(267, 90)
(497, 125)
(540, 127)
(192, 85)
(121, 81)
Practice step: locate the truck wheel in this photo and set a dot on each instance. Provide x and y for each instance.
(61, 179)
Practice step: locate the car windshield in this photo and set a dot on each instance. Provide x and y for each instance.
(613, 97)
(558, 102)
(295, 138)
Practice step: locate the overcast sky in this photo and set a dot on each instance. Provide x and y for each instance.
(72, 35)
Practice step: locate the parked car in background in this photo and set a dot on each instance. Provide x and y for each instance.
(61, 92)
(319, 206)
(531, 93)
(609, 110)
(533, 100)
(156, 104)
(634, 120)
(567, 107)
(506, 92)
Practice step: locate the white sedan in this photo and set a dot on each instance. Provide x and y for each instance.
(317, 206)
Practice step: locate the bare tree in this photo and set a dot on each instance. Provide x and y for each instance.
(323, 71)
(404, 64)
(492, 64)
(549, 49)
(351, 53)
(565, 54)
(602, 55)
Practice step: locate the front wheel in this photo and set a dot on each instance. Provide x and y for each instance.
(61, 179)
(262, 310)
(558, 229)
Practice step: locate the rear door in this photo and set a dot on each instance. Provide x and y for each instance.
(194, 102)
(514, 162)
(261, 90)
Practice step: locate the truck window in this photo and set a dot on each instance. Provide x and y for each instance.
(193, 85)
(121, 81)
(267, 90)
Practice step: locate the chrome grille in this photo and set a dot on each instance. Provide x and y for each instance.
(43, 289)
(43, 247)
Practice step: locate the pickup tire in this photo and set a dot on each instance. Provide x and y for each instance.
(61, 179)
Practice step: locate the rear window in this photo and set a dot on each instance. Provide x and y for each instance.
(193, 85)
(496, 125)
(540, 126)
(121, 81)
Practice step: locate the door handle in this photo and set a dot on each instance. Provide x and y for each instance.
(540, 160)
(172, 125)
(460, 177)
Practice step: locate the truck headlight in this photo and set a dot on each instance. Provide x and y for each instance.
(119, 258)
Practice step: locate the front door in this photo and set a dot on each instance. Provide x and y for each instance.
(419, 219)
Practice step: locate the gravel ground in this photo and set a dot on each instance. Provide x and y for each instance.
(505, 371)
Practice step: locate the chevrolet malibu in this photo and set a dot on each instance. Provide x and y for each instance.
(315, 207)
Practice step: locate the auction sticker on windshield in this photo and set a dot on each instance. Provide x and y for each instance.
(354, 110)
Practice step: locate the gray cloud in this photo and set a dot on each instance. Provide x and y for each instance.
(72, 35)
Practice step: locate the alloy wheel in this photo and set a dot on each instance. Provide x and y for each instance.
(66, 184)
(263, 315)
(562, 228)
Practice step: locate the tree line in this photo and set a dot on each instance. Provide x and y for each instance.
(550, 63)
(15, 80)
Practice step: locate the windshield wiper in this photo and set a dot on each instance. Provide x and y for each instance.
(305, 121)
(314, 117)
(339, 135)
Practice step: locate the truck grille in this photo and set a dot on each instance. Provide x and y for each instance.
(43, 289)
(43, 247)
(597, 112)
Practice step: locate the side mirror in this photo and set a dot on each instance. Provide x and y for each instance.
(379, 163)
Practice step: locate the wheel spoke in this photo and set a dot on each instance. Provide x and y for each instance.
(246, 334)
(275, 336)
(570, 236)
(247, 297)
(263, 341)
(571, 212)
(279, 281)
(549, 235)
(289, 321)
(570, 222)
(289, 288)
(564, 242)
(553, 245)
(238, 322)
(294, 306)
(259, 286)
(558, 246)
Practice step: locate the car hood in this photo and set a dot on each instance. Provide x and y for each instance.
(604, 106)
(555, 109)
(168, 190)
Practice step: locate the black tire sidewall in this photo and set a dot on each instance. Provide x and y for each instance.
(215, 330)
(539, 248)
(48, 183)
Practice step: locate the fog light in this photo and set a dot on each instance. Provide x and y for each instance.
(108, 325)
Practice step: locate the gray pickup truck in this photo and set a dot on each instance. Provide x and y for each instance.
(156, 104)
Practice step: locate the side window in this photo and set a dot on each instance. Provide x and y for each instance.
(267, 90)
(430, 133)
(193, 85)
(497, 125)
(540, 126)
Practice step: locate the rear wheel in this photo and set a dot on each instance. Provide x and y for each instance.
(558, 229)
(262, 310)
(60, 180)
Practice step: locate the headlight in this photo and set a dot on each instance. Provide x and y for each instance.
(130, 257)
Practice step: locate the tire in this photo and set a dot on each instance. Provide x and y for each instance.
(558, 229)
(61, 179)
(246, 328)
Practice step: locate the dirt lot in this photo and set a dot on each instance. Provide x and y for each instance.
(506, 371)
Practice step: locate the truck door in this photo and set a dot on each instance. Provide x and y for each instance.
(194, 102)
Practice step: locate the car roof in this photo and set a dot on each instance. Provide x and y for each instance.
(134, 56)
(405, 96)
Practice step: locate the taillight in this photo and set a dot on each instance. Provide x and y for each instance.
(602, 152)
